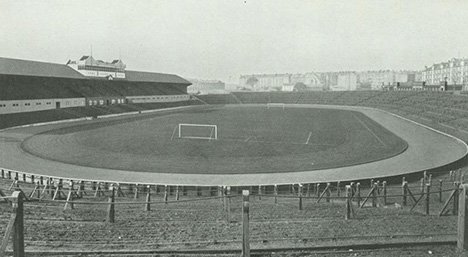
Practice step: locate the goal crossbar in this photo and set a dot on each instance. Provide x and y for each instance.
(213, 131)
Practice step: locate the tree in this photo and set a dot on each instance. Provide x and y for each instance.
(299, 86)
(252, 81)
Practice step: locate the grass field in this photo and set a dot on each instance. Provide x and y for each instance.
(250, 139)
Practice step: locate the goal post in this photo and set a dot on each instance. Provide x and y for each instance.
(198, 131)
(276, 105)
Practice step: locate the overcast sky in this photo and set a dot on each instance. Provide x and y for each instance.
(223, 39)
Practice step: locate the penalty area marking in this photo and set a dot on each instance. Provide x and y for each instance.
(173, 132)
(308, 138)
(372, 132)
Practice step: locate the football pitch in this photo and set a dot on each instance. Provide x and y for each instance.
(249, 139)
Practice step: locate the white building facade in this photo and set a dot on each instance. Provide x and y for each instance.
(454, 71)
(90, 67)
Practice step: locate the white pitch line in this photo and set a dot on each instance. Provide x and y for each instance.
(308, 138)
(173, 132)
(372, 132)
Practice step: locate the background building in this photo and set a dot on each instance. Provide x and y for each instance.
(90, 67)
(281, 82)
(376, 80)
(264, 82)
(206, 87)
(346, 81)
(454, 72)
(318, 81)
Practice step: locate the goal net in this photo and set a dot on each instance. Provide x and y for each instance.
(198, 131)
(276, 105)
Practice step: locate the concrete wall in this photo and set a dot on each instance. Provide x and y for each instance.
(158, 98)
(16, 106)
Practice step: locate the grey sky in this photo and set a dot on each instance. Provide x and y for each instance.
(223, 39)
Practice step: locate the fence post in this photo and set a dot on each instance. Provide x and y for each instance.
(328, 192)
(165, 194)
(422, 185)
(9, 174)
(136, 191)
(58, 190)
(317, 186)
(428, 192)
(50, 185)
(358, 193)
(70, 196)
(338, 190)
(259, 192)
(38, 192)
(81, 188)
(300, 196)
(32, 179)
(110, 208)
(308, 189)
(3, 173)
(462, 238)
(245, 224)
(455, 197)
(18, 230)
(353, 188)
(384, 189)
(148, 198)
(405, 193)
(374, 195)
(348, 202)
(440, 190)
(177, 193)
(275, 191)
(24, 177)
(52, 188)
(228, 204)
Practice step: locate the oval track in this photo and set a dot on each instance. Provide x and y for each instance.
(427, 149)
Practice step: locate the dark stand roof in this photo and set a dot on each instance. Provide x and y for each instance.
(32, 68)
(141, 76)
(10, 66)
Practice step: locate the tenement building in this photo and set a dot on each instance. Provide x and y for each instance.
(454, 72)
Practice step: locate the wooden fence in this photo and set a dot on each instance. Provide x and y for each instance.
(47, 189)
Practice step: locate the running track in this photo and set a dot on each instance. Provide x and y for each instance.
(427, 149)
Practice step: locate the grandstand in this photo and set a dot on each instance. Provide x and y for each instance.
(35, 92)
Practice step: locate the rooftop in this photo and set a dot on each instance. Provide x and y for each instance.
(9, 66)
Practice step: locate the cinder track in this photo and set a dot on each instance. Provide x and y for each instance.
(423, 153)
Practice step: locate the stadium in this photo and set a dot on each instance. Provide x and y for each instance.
(91, 145)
